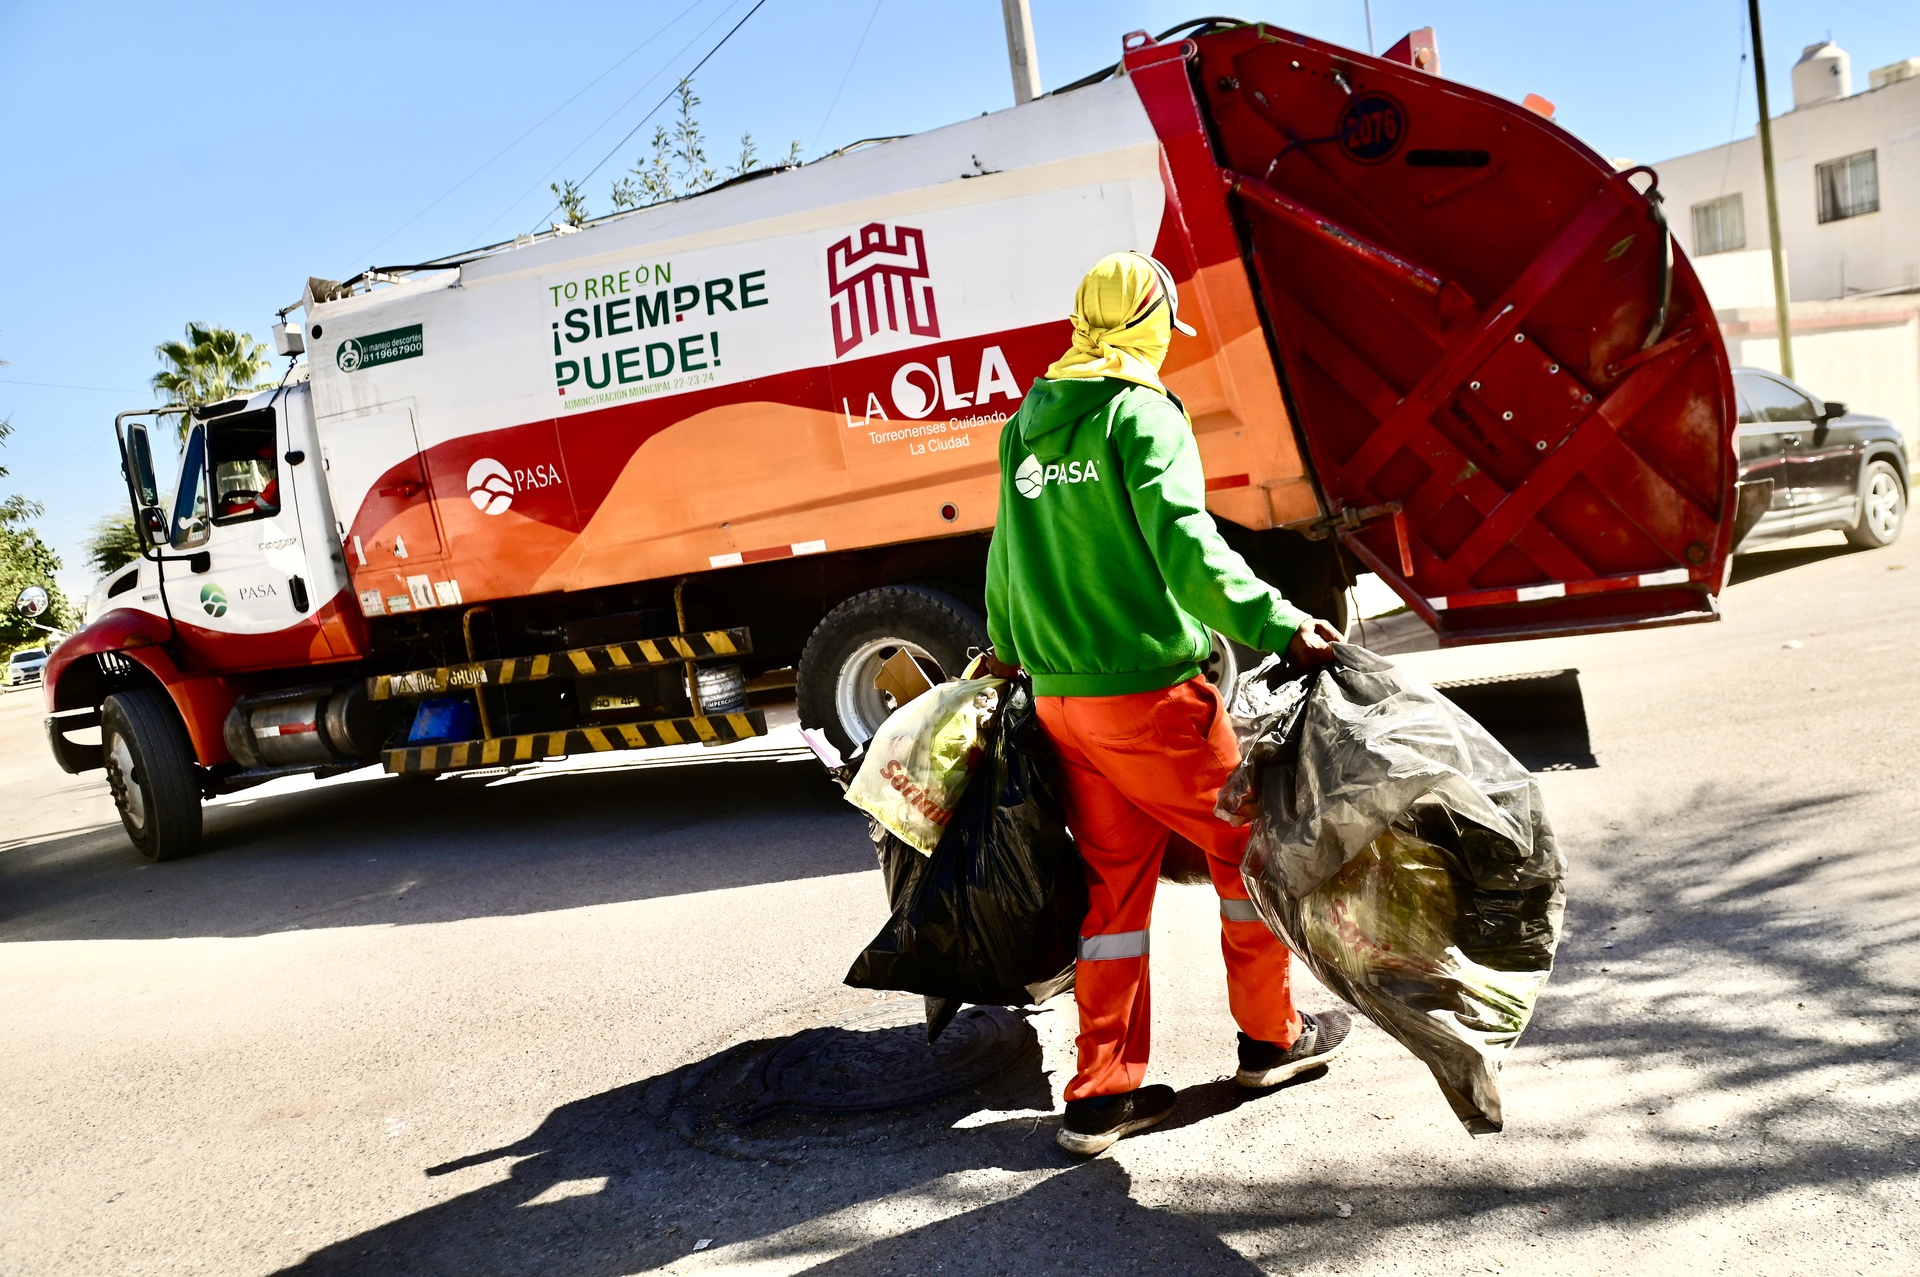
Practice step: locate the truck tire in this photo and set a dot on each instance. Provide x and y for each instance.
(835, 681)
(1883, 507)
(150, 769)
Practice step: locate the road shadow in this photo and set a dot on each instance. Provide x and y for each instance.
(1541, 718)
(1754, 564)
(1394, 634)
(1789, 1093)
(385, 851)
(629, 1180)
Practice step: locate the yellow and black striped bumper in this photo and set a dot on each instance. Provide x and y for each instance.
(504, 751)
(579, 662)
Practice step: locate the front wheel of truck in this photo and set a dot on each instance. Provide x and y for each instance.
(835, 686)
(150, 770)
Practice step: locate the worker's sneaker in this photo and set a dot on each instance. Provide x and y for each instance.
(1322, 1037)
(1092, 1125)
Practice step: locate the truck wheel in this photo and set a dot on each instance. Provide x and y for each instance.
(1883, 507)
(835, 684)
(150, 769)
(1225, 662)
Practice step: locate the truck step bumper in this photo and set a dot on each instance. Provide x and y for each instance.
(505, 751)
(581, 662)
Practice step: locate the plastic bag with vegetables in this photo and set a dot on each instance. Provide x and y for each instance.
(1405, 855)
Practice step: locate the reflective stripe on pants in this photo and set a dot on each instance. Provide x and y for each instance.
(1232, 910)
(1124, 944)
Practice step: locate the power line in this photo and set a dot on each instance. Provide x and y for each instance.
(663, 101)
(57, 385)
(847, 74)
(368, 255)
(515, 203)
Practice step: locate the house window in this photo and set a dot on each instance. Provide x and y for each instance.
(1848, 187)
(1719, 226)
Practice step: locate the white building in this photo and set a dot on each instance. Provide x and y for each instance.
(1847, 168)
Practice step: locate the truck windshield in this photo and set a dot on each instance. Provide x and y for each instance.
(190, 499)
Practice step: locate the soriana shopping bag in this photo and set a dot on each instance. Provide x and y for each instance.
(1406, 856)
(917, 764)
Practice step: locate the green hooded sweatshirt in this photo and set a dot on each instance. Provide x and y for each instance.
(1106, 569)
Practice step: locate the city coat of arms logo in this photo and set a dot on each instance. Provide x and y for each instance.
(877, 278)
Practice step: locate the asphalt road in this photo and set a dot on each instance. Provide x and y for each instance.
(468, 1027)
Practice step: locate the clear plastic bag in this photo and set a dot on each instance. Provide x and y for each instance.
(1405, 855)
(916, 766)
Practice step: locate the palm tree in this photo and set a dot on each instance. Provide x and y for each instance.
(210, 365)
(114, 544)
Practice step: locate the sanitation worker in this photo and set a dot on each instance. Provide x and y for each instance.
(1105, 573)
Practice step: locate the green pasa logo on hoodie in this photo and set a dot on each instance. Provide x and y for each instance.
(1031, 478)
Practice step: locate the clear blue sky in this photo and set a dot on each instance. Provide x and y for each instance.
(166, 163)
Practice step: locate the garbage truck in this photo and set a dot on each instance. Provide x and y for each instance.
(600, 487)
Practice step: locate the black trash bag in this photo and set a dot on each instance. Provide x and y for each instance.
(1405, 856)
(993, 916)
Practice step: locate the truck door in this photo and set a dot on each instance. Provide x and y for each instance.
(383, 508)
(248, 599)
(1509, 382)
(1819, 469)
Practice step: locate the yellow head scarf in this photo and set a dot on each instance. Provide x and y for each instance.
(1123, 317)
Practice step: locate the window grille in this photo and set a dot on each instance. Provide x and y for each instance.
(1719, 226)
(1848, 187)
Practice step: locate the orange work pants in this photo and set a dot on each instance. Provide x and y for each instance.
(1133, 768)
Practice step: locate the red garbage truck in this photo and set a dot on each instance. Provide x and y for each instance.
(575, 492)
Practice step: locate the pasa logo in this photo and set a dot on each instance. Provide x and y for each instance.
(1029, 478)
(213, 600)
(490, 486)
(1032, 478)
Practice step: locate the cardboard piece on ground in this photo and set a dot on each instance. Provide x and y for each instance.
(903, 678)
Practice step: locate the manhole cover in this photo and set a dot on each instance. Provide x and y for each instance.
(846, 1070)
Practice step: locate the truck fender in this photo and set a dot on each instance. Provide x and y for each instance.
(124, 648)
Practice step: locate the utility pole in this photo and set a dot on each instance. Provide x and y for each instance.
(1773, 197)
(1025, 67)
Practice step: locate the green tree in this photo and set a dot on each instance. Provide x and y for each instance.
(689, 147)
(656, 177)
(573, 205)
(210, 365)
(678, 165)
(25, 560)
(114, 544)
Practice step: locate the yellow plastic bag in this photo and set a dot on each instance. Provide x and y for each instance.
(917, 764)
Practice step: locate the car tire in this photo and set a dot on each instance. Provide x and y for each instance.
(1883, 507)
(150, 769)
(834, 686)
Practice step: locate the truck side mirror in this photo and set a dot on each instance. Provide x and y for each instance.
(1830, 410)
(144, 486)
(33, 601)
